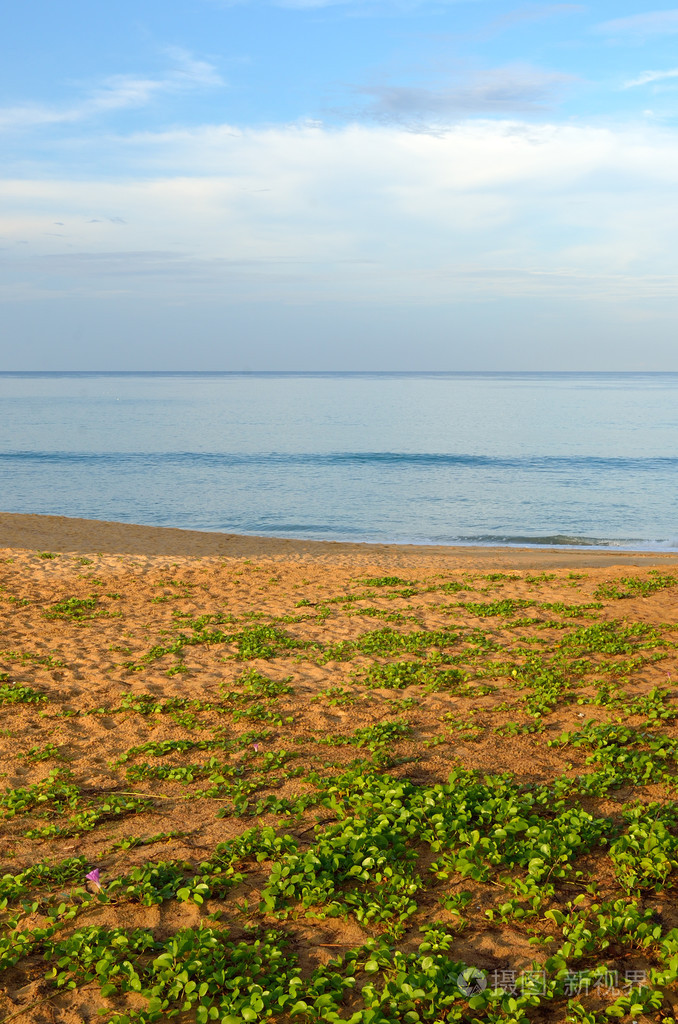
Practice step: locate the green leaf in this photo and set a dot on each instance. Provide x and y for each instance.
(164, 960)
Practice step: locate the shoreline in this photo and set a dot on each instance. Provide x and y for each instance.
(63, 534)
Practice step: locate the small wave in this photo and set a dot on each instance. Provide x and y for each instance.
(395, 459)
(550, 541)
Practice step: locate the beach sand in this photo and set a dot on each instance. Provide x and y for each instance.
(81, 536)
(117, 636)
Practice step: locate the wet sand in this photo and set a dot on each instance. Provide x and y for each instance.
(80, 536)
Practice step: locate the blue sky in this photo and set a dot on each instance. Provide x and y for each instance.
(338, 185)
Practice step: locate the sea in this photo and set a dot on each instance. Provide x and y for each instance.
(544, 459)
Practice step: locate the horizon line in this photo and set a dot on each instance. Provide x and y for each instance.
(357, 373)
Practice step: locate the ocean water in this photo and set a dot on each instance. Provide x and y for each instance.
(471, 458)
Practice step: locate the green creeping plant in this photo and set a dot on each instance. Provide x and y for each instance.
(147, 704)
(653, 706)
(516, 729)
(161, 748)
(645, 856)
(197, 969)
(255, 686)
(103, 810)
(373, 737)
(623, 755)
(188, 621)
(30, 658)
(506, 608)
(17, 693)
(185, 773)
(388, 641)
(57, 791)
(386, 581)
(204, 972)
(572, 611)
(40, 876)
(635, 586)
(338, 696)
(474, 827)
(454, 587)
(43, 753)
(256, 642)
(76, 608)
(399, 674)
(548, 683)
(132, 842)
(612, 638)
(380, 613)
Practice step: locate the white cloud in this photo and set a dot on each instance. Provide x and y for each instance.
(639, 27)
(517, 88)
(117, 92)
(307, 214)
(648, 77)
(189, 72)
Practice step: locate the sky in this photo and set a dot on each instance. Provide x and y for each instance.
(338, 185)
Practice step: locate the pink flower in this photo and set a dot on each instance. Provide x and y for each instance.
(93, 877)
(256, 748)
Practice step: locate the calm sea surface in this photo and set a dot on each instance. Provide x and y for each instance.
(425, 458)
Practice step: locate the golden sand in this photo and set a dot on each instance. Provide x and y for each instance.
(134, 589)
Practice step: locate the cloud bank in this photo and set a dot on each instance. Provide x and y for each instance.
(306, 214)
